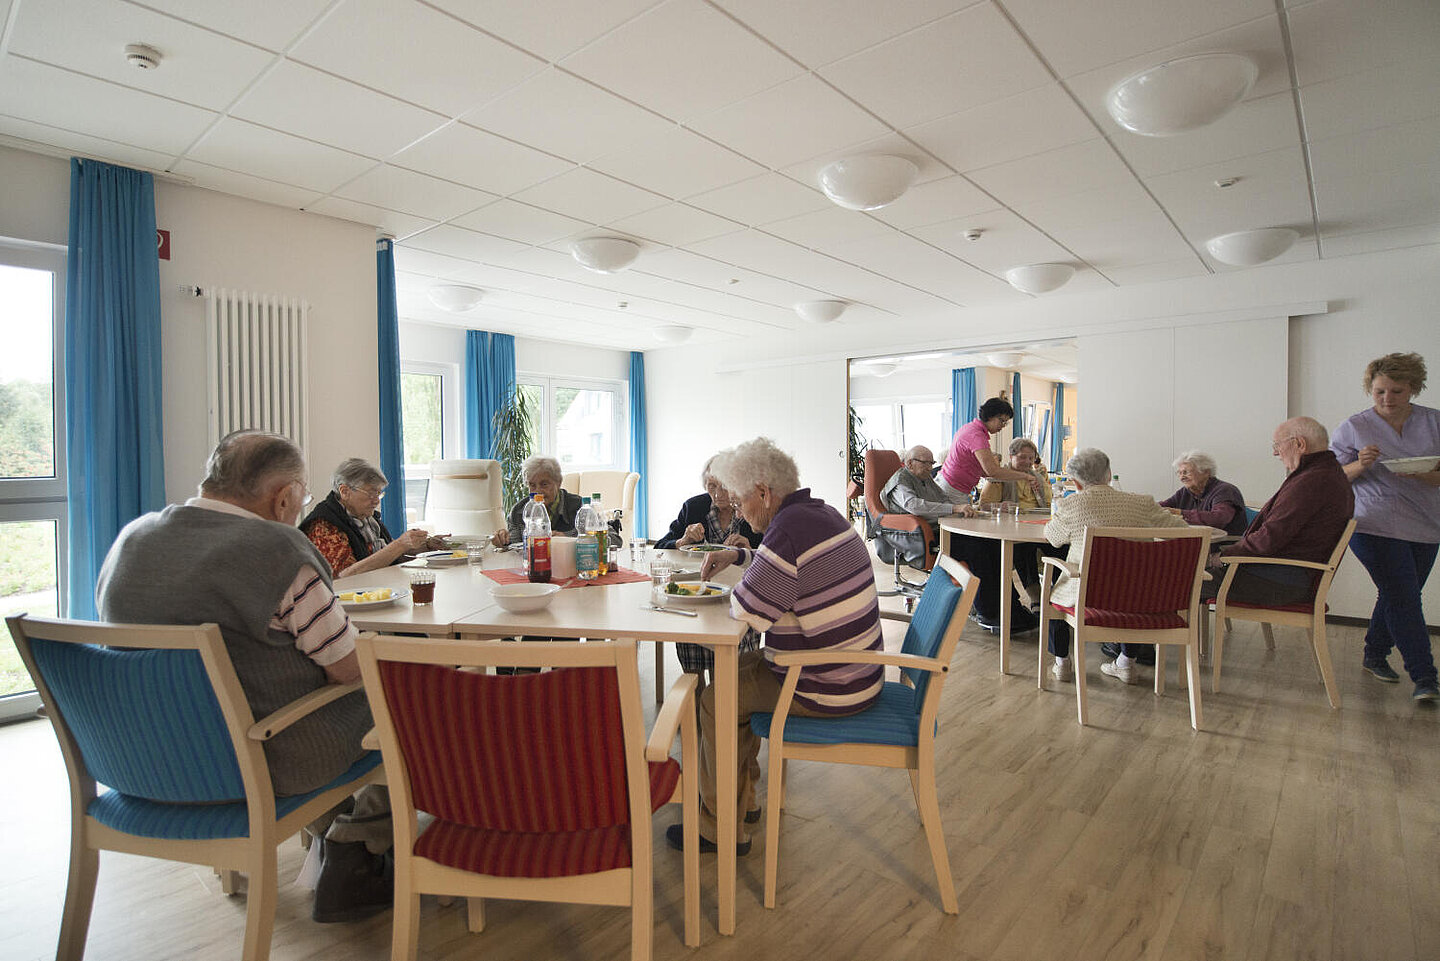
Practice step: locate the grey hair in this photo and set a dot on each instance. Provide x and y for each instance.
(1197, 459)
(248, 464)
(1308, 429)
(1020, 443)
(540, 465)
(746, 466)
(909, 453)
(356, 472)
(1089, 466)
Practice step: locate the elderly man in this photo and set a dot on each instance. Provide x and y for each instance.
(542, 476)
(233, 556)
(912, 489)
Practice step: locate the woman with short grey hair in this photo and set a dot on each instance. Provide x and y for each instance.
(346, 527)
(543, 476)
(1024, 457)
(1090, 466)
(1204, 498)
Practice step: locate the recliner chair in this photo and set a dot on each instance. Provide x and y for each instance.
(896, 536)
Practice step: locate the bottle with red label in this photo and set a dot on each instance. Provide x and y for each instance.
(537, 540)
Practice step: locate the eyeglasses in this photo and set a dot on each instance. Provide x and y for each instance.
(370, 492)
(1275, 447)
(917, 460)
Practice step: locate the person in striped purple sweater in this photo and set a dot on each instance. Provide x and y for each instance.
(811, 587)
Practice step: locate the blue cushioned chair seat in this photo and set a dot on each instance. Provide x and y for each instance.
(201, 822)
(890, 720)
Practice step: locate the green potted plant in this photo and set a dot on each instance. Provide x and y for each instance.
(513, 430)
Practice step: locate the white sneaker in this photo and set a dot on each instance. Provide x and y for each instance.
(1062, 670)
(1128, 674)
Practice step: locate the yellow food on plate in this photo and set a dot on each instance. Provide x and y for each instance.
(365, 597)
(458, 554)
(691, 590)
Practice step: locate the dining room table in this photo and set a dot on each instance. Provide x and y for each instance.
(465, 607)
(1026, 527)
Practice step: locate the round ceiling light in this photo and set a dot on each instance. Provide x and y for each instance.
(1008, 359)
(1039, 278)
(869, 181)
(881, 370)
(672, 333)
(1246, 248)
(821, 311)
(605, 255)
(456, 298)
(1181, 95)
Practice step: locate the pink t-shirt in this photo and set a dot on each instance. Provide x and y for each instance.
(961, 469)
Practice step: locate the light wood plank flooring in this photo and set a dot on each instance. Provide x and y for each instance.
(1285, 831)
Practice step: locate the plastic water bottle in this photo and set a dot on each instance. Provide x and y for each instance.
(601, 532)
(587, 546)
(1115, 482)
(537, 540)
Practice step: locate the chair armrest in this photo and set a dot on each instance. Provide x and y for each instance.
(896, 659)
(679, 700)
(267, 727)
(371, 740)
(895, 616)
(1278, 561)
(900, 522)
(1072, 569)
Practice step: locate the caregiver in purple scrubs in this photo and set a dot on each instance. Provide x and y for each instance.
(1397, 516)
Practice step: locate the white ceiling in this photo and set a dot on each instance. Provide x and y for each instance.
(486, 134)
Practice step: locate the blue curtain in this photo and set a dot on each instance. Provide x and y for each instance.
(392, 431)
(489, 379)
(1018, 424)
(1057, 439)
(963, 405)
(1045, 438)
(114, 441)
(638, 448)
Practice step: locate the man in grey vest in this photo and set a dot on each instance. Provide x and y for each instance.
(233, 556)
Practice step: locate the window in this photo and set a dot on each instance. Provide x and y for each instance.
(430, 410)
(581, 423)
(903, 424)
(32, 454)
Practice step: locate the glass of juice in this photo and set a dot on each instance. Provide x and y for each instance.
(422, 587)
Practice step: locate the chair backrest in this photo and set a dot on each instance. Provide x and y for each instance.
(1138, 570)
(1322, 586)
(938, 619)
(617, 487)
(880, 466)
(146, 720)
(465, 497)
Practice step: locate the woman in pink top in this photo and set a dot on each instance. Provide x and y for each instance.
(970, 457)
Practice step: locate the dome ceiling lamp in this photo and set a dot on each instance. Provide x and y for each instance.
(672, 333)
(867, 181)
(1006, 359)
(884, 369)
(455, 298)
(1039, 278)
(605, 255)
(821, 311)
(1181, 95)
(1246, 248)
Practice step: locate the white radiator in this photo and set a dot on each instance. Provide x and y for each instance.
(256, 349)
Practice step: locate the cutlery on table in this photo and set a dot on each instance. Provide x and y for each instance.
(670, 610)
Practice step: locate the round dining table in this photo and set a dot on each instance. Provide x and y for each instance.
(1009, 530)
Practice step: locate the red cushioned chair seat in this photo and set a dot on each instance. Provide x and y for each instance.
(554, 854)
(1128, 620)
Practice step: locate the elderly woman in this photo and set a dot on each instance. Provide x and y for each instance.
(1096, 505)
(1025, 458)
(1204, 498)
(346, 526)
(542, 476)
(709, 518)
(970, 457)
(810, 585)
(1397, 516)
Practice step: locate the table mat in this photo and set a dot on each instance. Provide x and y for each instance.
(621, 576)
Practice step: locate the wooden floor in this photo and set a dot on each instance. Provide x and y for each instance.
(1285, 831)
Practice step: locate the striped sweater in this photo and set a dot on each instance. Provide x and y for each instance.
(811, 587)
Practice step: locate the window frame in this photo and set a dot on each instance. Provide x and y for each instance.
(450, 420)
(549, 438)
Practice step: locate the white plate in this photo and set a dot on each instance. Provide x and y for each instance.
(398, 594)
(700, 550)
(1411, 465)
(442, 558)
(708, 598)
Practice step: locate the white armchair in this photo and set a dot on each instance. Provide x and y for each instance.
(465, 497)
(617, 487)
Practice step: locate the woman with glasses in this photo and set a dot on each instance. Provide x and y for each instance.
(346, 526)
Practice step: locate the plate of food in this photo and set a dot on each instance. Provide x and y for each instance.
(1411, 465)
(695, 592)
(702, 548)
(376, 597)
(443, 558)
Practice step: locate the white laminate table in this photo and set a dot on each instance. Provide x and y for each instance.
(1009, 531)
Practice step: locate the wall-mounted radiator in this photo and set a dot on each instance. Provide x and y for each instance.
(256, 346)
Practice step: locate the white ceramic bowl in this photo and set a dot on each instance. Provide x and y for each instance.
(524, 598)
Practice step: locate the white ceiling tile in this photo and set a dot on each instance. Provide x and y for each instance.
(761, 200)
(1272, 191)
(27, 133)
(303, 101)
(1091, 165)
(520, 222)
(412, 193)
(416, 53)
(825, 229)
(1081, 36)
(467, 245)
(966, 59)
(244, 185)
(1332, 38)
(1255, 126)
(676, 225)
(241, 146)
(479, 159)
(781, 259)
(58, 98)
(568, 117)
(199, 67)
(1370, 203)
(789, 122)
(1390, 150)
(1139, 240)
(696, 270)
(1349, 245)
(677, 163)
(683, 59)
(550, 30)
(590, 196)
(1374, 98)
(1156, 273)
(1006, 241)
(817, 33)
(391, 222)
(910, 261)
(933, 202)
(422, 262)
(272, 24)
(1028, 123)
(1089, 207)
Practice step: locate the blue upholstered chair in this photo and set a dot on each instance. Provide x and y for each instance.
(897, 731)
(156, 715)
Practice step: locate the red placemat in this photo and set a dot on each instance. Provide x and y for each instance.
(1026, 520)
(620, 576)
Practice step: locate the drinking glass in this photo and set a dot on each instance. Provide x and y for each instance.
(422, 587)
(660, 571)
(475, 551)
